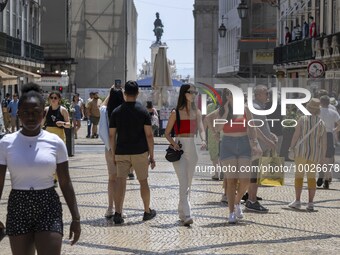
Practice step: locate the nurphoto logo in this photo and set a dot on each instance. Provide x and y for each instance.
(238, 104)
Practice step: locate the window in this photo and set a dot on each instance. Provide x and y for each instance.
(14, 18)
(8, 18)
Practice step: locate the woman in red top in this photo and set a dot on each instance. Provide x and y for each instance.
(238, 143)
(190, 121)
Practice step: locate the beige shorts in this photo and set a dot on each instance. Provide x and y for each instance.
(139, 162)
(111, 168)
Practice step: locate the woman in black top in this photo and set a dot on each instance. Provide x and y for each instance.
(56, 116)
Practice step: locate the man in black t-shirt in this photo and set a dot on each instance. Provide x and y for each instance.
(132, 145)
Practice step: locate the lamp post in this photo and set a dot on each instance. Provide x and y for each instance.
(242, 9)
(222, 29)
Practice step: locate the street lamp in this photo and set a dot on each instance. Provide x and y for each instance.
(242, 9)
(3, 4)
(222, 29)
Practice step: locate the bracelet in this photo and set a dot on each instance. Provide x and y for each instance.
(75, 220)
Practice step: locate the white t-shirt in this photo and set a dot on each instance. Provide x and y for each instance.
(330, 117)
(32, 160)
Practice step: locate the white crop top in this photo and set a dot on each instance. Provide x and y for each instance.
(32, 160)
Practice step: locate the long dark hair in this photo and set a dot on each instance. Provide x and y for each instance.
(116, 99)
(182, 100)
(221, 111)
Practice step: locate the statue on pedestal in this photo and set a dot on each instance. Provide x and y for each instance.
(158, 28)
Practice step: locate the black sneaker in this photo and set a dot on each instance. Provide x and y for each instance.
(88, 136)
(326, 185)
(131, 176)
(117, 218)
(319, 182)
(256, 207)
(150, 215)
(245, 197)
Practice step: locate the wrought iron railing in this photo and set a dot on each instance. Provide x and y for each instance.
(325, 46)
(11, 47)
(296, 51)
(33, 51)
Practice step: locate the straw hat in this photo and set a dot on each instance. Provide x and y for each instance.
(314, 104)
(333, 101)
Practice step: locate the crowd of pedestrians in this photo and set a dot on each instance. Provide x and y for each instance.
(34, 153)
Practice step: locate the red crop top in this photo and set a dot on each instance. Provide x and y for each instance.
(186, 127)
(238, 125)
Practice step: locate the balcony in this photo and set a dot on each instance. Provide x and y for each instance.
(293, 52)
(11, 47)
(33, 51)
(325, 47)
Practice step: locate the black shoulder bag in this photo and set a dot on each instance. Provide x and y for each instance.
(173, 155)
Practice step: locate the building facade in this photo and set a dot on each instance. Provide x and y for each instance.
(206, 40)
(94, 41)
(21, 55)
(311, 61)
(247, 50)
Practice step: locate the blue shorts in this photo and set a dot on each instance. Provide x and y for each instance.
(235, 148)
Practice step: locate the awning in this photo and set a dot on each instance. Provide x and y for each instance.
(35, 76)
(7, 79)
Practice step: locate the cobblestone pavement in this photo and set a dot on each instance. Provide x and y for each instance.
(281, 231)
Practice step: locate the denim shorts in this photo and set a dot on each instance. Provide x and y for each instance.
(235, 148)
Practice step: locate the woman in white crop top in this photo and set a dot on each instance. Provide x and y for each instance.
(34, 215)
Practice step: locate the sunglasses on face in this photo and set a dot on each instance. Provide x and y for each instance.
(54, 98)
(192, 92)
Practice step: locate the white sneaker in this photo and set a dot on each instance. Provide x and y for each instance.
(188, 221)
(232, 218)
(310, 207)
(238, 211)
(295, 205)
(224, 198)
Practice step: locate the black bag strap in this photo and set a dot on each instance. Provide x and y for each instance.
(178, 120)
(178, 123)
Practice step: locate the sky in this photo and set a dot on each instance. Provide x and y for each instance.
(178, 21)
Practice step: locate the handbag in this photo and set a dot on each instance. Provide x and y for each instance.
(291, 152)
(271, 171)
(173, 155)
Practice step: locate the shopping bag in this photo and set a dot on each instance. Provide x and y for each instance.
(270, 171)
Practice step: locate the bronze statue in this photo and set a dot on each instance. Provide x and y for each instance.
(158, 30)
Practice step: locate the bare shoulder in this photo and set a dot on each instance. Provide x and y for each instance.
(63, 109)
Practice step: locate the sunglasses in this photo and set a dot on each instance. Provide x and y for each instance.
(192, 92)
(54, 98)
